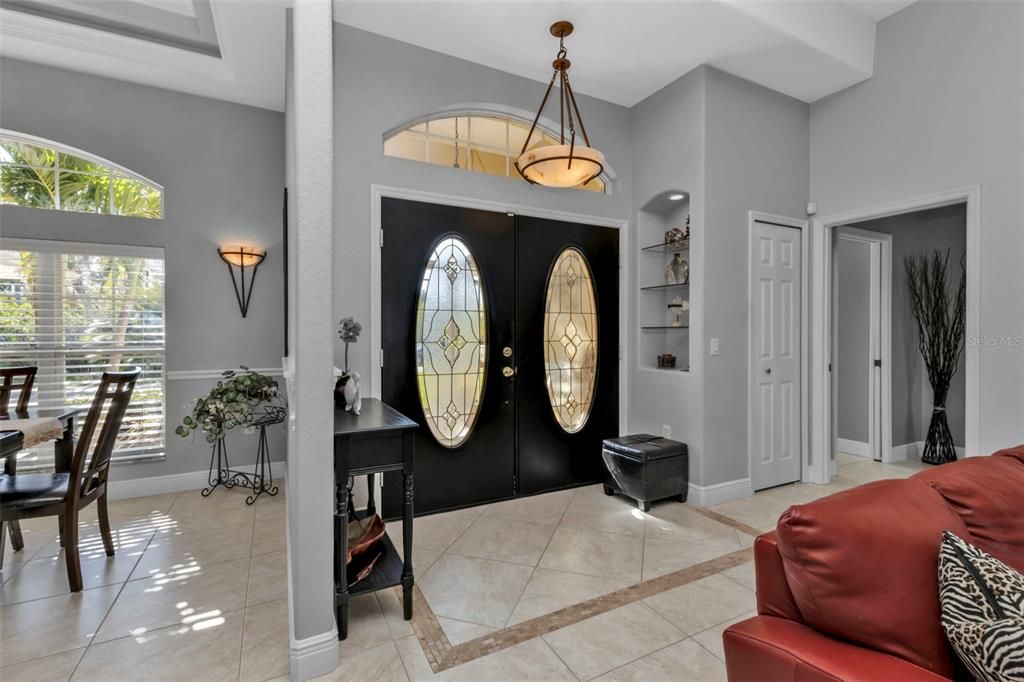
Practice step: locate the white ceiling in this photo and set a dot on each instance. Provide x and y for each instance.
(626, 50)
(226, 49)
(622, 51)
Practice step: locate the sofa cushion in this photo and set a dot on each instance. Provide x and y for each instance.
(863, 566)
(1016, 452)
(986, 493)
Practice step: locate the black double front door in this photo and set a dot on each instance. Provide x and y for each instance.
(500, 338)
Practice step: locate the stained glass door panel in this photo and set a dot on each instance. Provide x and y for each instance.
(451, 342)
(447, 311)
(570, 339)
(567, 393)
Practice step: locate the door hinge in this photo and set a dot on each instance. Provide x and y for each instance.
(381, 357)
(830, 366)
(381, 238)
(878, 363)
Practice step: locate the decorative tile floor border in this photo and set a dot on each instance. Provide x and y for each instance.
(723, 519)
(442, 655)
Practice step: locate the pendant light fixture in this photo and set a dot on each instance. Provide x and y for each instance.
(565, 164)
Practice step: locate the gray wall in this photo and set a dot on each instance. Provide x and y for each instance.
(222, 168)
(852, 263)
(668, 154)
(944, 109)
(912, 234)
(756, 159)
(380, 83)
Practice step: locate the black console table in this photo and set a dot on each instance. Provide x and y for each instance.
(380, 439)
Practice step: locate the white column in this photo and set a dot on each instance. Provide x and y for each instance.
(313, 634)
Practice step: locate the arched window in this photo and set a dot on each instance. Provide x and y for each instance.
(42, 174)
(480, 140)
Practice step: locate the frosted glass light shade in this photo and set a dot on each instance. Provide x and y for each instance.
(243, 256)
(549, 166)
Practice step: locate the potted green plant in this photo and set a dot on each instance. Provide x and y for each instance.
(229, 404)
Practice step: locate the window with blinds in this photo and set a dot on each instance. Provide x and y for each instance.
(77, 310)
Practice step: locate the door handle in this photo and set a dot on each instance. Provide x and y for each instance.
(768, 371)
(508, 372)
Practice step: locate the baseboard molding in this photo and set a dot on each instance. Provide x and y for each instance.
(912, 451)
(173, 483)
(853, 447)
(313, 656)
(710, 495)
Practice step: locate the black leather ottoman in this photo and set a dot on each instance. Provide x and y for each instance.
(646, 468)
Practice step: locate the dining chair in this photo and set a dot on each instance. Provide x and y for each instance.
(20, 379)
(29, 496)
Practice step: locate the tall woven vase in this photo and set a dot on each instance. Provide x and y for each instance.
(939, 309)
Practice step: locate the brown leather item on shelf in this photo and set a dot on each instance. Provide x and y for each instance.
(362, 535)
(363, 571)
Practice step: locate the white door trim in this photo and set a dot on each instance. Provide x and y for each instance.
(804, 227)
(378, 192)
(821, 275)
(883, 296)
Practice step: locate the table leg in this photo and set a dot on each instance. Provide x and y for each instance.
(341, 553)
(371, 503)
(13, 527)
(407, 579)
(64, 449)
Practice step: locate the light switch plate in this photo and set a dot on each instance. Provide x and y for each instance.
(714, 346)
(666, 431)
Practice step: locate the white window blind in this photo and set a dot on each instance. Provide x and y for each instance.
(77, 310)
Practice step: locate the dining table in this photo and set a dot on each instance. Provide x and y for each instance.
(63, 447)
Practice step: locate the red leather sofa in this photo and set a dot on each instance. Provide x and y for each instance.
(847, 586)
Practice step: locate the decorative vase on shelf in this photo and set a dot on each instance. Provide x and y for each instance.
(674, 237)
(679, 269)
(670, 272)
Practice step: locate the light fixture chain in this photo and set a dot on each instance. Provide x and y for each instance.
(536, 118)
(579, 117)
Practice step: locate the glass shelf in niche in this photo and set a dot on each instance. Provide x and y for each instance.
(668, 247)
(664, 287)
(661, 327)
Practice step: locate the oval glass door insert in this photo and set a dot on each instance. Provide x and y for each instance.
(451, 342)
(570, 339)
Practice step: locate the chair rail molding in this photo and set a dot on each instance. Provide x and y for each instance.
(199, 374)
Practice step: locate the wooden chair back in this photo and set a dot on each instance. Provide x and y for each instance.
(16, 379)
(105, 415)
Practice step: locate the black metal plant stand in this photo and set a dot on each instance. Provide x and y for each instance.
(262, 476)
(261, 480)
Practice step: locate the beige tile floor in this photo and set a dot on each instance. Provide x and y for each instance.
(187, 598)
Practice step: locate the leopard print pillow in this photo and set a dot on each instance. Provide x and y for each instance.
(982, 603)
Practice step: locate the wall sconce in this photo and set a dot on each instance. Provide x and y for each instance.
(242, 258)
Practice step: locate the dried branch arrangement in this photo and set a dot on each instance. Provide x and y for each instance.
(939, 309)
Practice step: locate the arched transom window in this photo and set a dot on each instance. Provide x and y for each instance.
(479, 143)
(39, 173)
